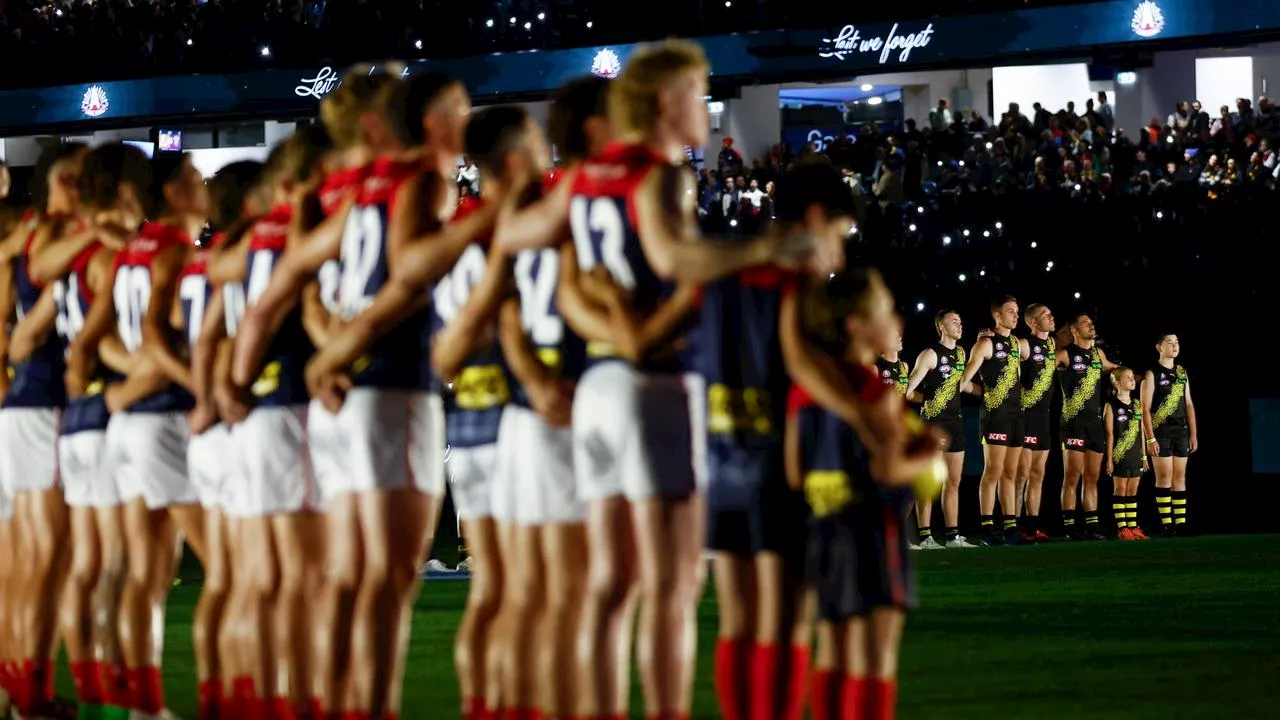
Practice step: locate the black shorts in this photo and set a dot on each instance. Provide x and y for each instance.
(1129, 467)
(953, 430)
(1005, 429)
(1035, 431)
(860, 561)
(777, 522)
(1083, 434)
(1174, 440)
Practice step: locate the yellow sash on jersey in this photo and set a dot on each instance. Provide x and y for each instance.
(828, 492)
(730, 410)
(481, 387)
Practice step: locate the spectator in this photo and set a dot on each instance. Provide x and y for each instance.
(1106, 112)
(730, 160)
(940, 117)
(469, 175)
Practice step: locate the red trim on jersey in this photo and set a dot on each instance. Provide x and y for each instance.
(767, 276)
(271, 231)
(798, 399)
(551, 179)
(150, 241)
(616, 172)
(80, 264)
(468, 206)
(383, 181)
(336, 184)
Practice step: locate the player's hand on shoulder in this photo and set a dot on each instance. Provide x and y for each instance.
(113, 237)
(986, 333)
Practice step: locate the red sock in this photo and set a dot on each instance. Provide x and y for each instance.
(116, 680)
(145, 689)
(732, 666)
(764, 680)
(823, 706)
(356, 715)
(854, 696)
(242, 696)
(19, 681)
(210, 698)
(281, 709)
(315, 709)
(38, 682)
(882, 698)
(798, 685)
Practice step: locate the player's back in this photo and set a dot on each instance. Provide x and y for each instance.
(399, 358)
(37, 382)
(73, 296)
(282, 381)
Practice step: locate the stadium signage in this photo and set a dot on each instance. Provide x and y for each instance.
(850, 41)
(317, 87)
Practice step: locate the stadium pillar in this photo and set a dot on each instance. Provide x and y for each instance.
(753, 120)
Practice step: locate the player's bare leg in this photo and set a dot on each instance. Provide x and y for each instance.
(524, 605)
(77, 612)
(43, 514)
(1072, 468)
(691, 519)
(1009, 492)
(300, 546)
(207, 621)
(564, 557)
(992, 473)
(951, 499)
(151, 551)
(1089, 492)
(782, 626)
(331, 640)
(484, 599)
(603, 639)
(106, 604)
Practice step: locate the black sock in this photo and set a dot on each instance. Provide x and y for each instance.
(1120, 511)
(1069, 520)
(1131, 506)
(925, 534)
(1010, 524)
(1164, 505)
(953, 533)
(988, 525)
(1091, 518)
(1033, 524)
(1179, 507)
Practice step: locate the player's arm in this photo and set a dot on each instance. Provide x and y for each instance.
(1148, 392)
(156, 319)
(584, 317)
(7, 307)
(33, 330)
(51, 260)
(791, 452)
(1191, 419)
(83, 351)
(306, 252)
(1108, 419)
(203, 358)
(424, 247)
(1107, 365)
(542, 223)
(980, 353)
(925, 361)
(634, 338)
(1061, 359)
(665, 206)
(539, 383)
(316, 319)
(227, 264)
(459, 338)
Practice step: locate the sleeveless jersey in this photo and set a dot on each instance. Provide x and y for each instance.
(473, 406)
(1169, 396)
(603, 223)
(282, 381)
(37, 382)
(1126, 429)
(893, 373)
(131, 289)
(746, 379)
(332, 193)
(73, 298)
(1081, 381)
(1037, 375)
(1001, 389)
(398, 359)
(941, 385)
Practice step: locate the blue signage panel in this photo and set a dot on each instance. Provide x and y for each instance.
(850, 48)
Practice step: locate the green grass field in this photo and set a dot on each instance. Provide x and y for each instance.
(1164, 629)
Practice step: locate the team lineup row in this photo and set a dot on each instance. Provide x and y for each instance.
(617, 393)
(1104, 424)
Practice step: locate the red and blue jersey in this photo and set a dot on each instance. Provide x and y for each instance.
(473, 406)
(37, 381)
(605, 230)
(398, 359)
(740, 356)
(131, 289)
(74, 297)
(282, 381)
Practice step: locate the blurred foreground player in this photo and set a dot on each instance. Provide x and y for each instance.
(856, 482)
(756, 521)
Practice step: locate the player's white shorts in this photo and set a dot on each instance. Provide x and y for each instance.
(212, 464)
(535, 469)
(391, 439)
(470, 474)
(148, 455)
(325, 451)
(272, 443)
(634, 433)
(28, 449)
(87, 478)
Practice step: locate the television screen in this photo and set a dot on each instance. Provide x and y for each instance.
(169, 141)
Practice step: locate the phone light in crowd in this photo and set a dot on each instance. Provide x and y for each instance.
(417, 44)
(188, 42)
(919, 307)
(875, 100)
(733, 223)
(1159, 214)
(982, 273)
(939, 163)
(961, 163)
(1077, 296)
(912, 227)
(542, 16)
(833, 276)
(920, 209)
(265, 51)
(1033, 244)
(528, 25)
(946, 239)
(963, 277)
(488, 23)
(513, 20)
(1077, 187)
(999, 225)
(1169, 140)
(728, 3)
(989, 146)
(986, 233)
(589, 24)
(964, 233)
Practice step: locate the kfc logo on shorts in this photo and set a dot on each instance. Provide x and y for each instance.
(997, 437)
(1031, 440)
(1075, 442)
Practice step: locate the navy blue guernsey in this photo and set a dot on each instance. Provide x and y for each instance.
(741, 359)
(73, 297)
(282, 381)
(131, 290)
(473, 404)
(602, 219)
(557, 347)
(399, 359)
(37, 381)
